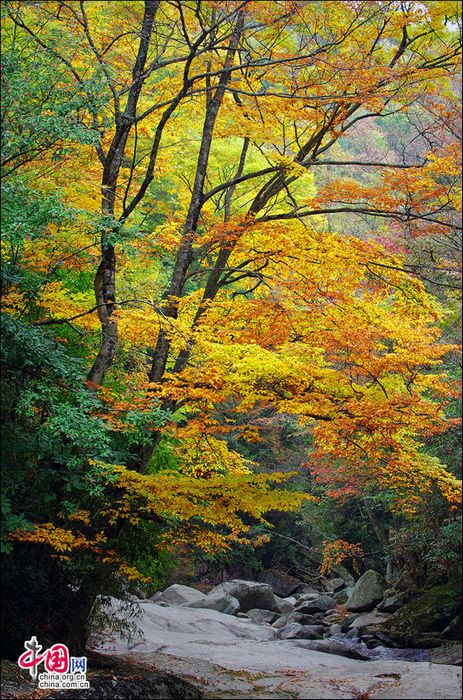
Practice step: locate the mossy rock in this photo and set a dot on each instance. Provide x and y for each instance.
(429, 612)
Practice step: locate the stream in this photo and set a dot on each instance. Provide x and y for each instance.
(229, 657)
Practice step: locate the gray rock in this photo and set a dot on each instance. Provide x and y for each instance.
(336, 628)
(331, 646)
(352, 633)
(296, 631)
(453, 629)
(342, 596)
(304, 619)
(370, 619)
(391, 604)
(347, 621)
(307, 588)
(249, 594)
(334, 584)
(285, 606)
(422, 620)
(448, 654)
(341, 571)
(384, 639)
(331, 619)
(222, 602)
(289, 599)
(177, 595)
(290, 631)
(367, 592)
(282, 583)
(262, 616)
(404, 581)
(281, 622)
(320, 604)
(306, 596)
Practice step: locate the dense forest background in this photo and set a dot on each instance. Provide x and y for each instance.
(231, 296)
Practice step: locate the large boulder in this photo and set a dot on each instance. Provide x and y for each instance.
(426, 616)
(367, 592)
(282, 583)
(250, 594)
(222, 602)
(177, 595)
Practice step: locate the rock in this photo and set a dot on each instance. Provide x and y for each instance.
(262, 616)
(370, 619)
(296, 617)
(347, 621)
(384, 639)
(282, 584)
(334, 584)
(427, 614)
(222, 602)
(285, 605)
(425, 640)
(352, 633)
(306, 588)
(336, 628)
(331, 646)
(448, 654)
(296, 631)
(289, 599)
(342, 596)
(177, 595)
(342, 572)
(331, 619)
(391, 604)
(150, 686)
(290, 631)
(404, 581)
(307, 596)
(320, 604)
(367, 592)
(249, 594)
(453, 630)
(230, 656)
(371, 643)
(281, 622)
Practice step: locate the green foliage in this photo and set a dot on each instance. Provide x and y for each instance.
(52, 441)
(55, 119)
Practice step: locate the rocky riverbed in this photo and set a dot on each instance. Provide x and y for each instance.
(241, 640)
(247, 639)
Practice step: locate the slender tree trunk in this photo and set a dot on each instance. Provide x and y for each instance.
(105, 278)
(185, 252)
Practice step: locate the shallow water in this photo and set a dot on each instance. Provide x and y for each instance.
(382, 652)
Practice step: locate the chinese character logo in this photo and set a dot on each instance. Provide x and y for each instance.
(55, 659)
(78, 664)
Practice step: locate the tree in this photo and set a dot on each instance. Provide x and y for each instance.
(210, 121)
